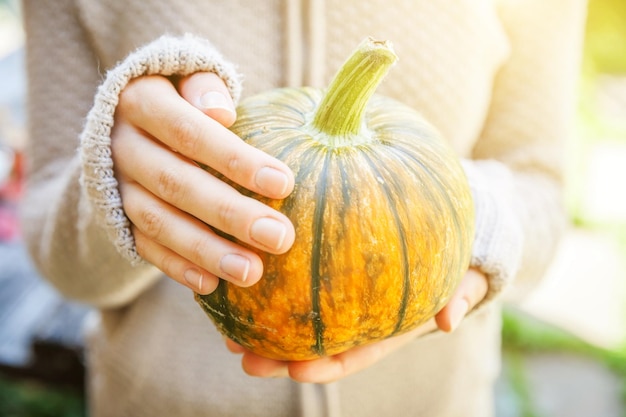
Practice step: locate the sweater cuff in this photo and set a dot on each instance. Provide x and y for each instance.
(497, 249)
(165, 56)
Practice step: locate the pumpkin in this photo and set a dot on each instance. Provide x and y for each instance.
(382, 212)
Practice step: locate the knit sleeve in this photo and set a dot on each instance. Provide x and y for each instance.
(498, 238)
(516, 171)
(166, 56)
(71, 217)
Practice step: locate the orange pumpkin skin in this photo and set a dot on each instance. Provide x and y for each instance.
(384, 227)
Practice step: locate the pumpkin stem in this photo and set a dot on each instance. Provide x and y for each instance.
(340, 113)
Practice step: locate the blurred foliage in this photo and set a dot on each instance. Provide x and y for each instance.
(604, 54)
(605, 43)
(20, 398)
(524, 334)
(604, 70)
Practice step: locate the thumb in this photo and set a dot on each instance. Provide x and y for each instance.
(207, 92)
(469, 293)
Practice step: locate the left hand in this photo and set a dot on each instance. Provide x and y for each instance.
(470, 292)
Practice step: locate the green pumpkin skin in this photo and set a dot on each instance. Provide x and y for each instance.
(384, 227)
(382, 212)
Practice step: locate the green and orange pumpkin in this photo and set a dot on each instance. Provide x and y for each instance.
(382, 212)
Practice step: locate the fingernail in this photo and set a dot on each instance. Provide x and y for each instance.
(194, 278)
(235, 266)
(215, 100)
(458, 313)
(270, 179)
(268, 232)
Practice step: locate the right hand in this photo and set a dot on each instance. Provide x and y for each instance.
(160, 130)
(469, 293)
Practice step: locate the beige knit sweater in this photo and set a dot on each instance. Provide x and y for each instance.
(496, 77)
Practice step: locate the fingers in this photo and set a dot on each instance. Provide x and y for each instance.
(234, 347)
(158, 135)
(159, 109)
(330, 368)
(182, 184)
(470, 292)
(207, 92)
(339, 366)
(255, 365)
(174, 265)
(184, 247)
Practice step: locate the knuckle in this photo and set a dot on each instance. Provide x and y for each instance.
(200, 249)
(168, 263)
(152, 221)
(133, 96)
(227, 210)
(186, 135)
(232, 165)
(138, 88)
(169, 185)
(240, 162)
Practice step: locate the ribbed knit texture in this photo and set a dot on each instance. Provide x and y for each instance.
(166, 56)
(496, 77)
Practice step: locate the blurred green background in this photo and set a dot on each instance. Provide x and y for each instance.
(602, 104)
(576, 324)
(587, 327)
(605, 49)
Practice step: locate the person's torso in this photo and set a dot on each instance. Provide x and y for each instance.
(449, 51)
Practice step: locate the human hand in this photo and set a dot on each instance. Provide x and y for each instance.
(469, 293)
(161, 130)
